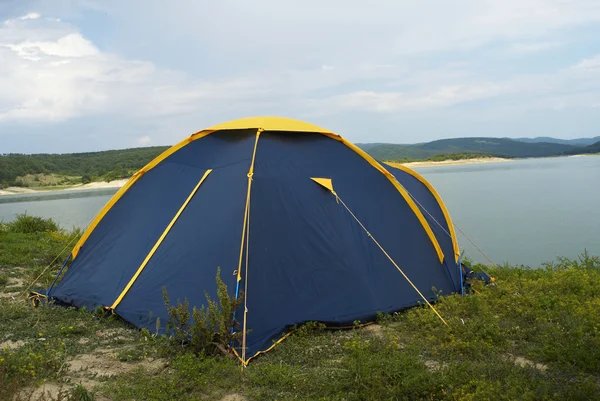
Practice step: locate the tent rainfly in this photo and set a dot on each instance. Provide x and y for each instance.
(302, 222)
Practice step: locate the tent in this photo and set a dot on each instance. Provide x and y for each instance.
(306, 223)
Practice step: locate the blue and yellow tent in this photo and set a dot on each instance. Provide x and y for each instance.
(307, 224)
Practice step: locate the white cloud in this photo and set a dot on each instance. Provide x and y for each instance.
(383, 58)
(57, 74)
(351, 30)
(574, 86)
(534, 47)
(443, 96)
(589, 64)
(144, 140)
(30, 16)
(71, 45)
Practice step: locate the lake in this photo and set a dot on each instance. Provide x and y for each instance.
(521, 212)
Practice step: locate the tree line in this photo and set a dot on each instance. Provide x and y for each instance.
(93, 166)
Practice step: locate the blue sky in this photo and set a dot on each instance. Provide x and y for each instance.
(85, 75)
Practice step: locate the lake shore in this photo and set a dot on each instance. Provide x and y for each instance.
(429, 163)
(91, 185)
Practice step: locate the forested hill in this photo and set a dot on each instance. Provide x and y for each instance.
(500, 147)
(106, 165)
(574, 142)
(66, 169)
(594, 148)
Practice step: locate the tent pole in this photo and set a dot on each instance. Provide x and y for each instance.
(58, 274)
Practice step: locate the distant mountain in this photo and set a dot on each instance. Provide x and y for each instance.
(575, 142)
(593, 148)
(501, 147)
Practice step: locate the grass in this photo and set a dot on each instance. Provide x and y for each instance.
(533, 336)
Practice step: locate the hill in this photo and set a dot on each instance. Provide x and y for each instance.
(574, 142)
(594, 148)
(500, 147)
(105, 165)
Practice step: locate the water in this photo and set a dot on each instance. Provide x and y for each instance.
(526, 211)
(68, 208)
(522, 212)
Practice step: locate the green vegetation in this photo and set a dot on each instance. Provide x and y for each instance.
(66, 169)
(591, 149)
(212, 330)
(534, 335)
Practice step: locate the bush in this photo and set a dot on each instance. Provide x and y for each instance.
(31, 224)
(213, 328)
(86, 179)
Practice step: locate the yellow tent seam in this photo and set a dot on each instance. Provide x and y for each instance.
(159, 241)
(129, 184)
(439, 200)
(401, 190)
(245, 234)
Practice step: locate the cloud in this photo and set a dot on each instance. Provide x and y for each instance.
(534, 47)
(30, 16)
(574, 86)
(589, 64)
(350, 61)
(57, 74)
(144, 140)
(444, 96)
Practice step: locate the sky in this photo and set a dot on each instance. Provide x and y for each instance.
(87, 75)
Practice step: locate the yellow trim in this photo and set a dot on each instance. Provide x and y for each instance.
(265, 124)
(325, 182)
(286, 335)
(439, 201)
(246, 236)
(128, 185)
(159, 241)
(411, 203)
(269, 123)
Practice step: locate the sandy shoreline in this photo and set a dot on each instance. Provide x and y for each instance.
(453, 162)
(91, 185)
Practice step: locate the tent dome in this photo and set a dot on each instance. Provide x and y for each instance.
(312, 227)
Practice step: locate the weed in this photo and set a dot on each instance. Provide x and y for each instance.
(32, 224)
(213, 328)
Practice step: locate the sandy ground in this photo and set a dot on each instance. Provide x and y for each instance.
(91, 185)
(453, 162)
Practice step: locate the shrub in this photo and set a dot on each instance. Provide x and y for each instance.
(213, 328)
(31, 224)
